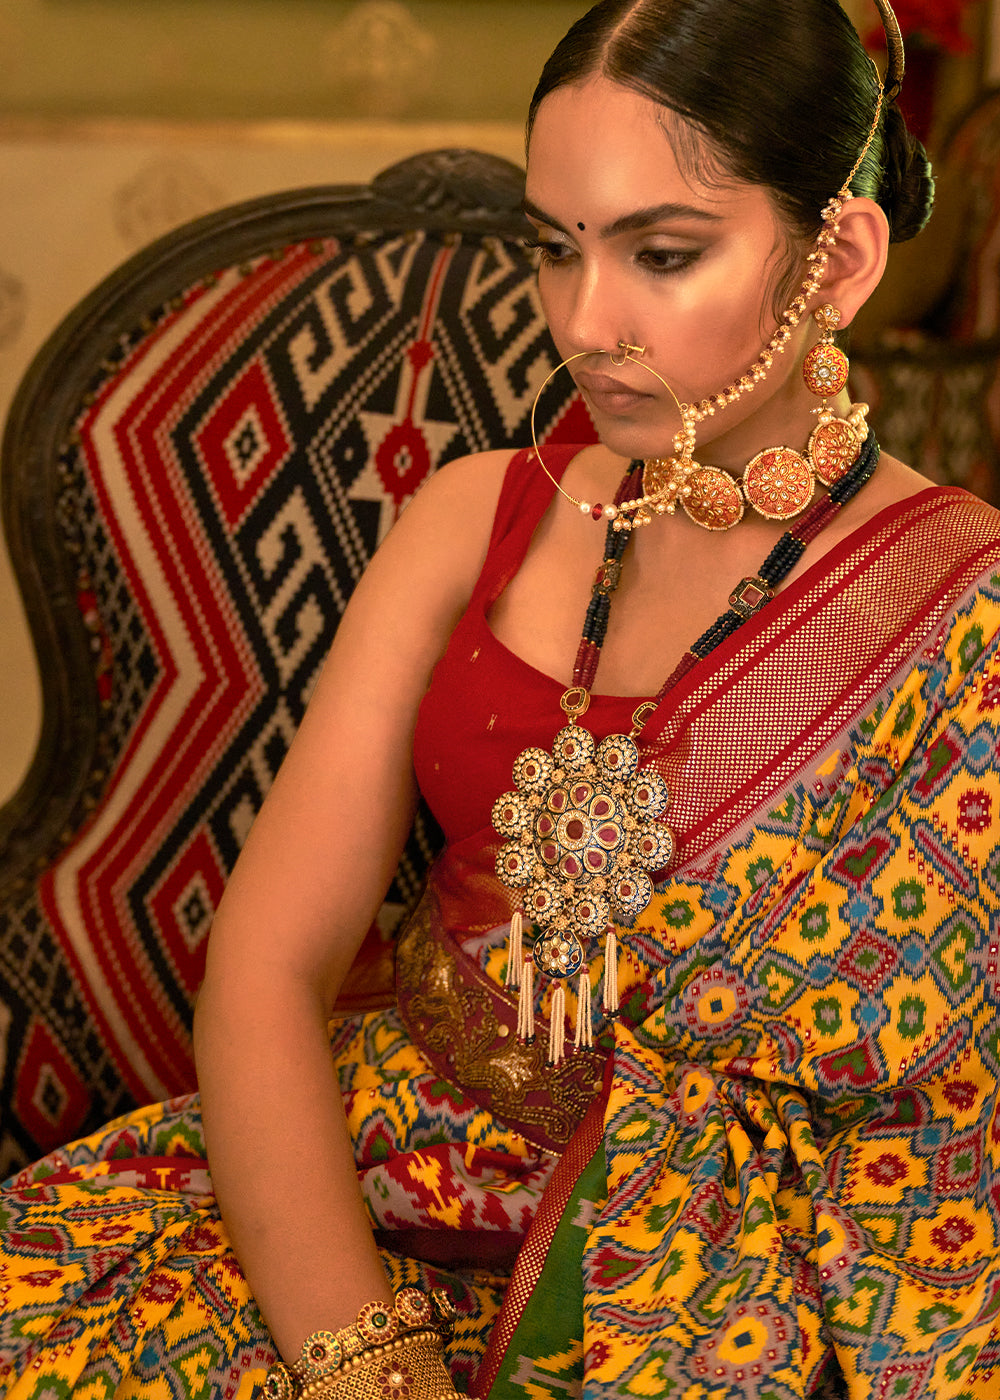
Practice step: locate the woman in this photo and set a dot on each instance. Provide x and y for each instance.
(770, 1170)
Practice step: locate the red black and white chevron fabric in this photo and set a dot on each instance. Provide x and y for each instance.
(223, 491)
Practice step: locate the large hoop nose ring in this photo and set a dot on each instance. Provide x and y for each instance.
(627, 352)
(687, 427)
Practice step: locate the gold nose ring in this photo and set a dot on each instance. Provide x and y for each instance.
(627, 352)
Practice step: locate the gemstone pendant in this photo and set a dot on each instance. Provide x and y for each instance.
(711, 498)
(662, 478)
(778, 483)
(825, 370)
(580, 837)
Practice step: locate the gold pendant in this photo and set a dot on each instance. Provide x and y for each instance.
(825, 369)
(778, 483)
(711, 498)
(835, 443)
(833, 448)
(709, 495)
(580, 836)
(662, 479)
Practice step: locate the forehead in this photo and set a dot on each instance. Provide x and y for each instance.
(598, 149)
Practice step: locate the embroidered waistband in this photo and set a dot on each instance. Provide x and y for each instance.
(466, 1027)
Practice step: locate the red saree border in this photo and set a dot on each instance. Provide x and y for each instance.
(776, 694)
(527, 1272)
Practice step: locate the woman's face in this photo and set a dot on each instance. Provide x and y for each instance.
(635, 249)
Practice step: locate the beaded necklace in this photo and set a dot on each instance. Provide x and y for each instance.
(582, 829)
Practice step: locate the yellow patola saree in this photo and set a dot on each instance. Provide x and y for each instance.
(776, 1173)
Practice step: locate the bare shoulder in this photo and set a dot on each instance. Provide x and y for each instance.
(425, 568)
(468, 484)
(470, 472)
(449, 519)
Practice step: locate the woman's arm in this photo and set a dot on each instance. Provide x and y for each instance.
(310, 879)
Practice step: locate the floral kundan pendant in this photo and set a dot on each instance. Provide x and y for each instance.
(580, 836)
(778, 483)
(836, 443)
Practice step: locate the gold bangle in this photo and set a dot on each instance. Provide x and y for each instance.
(325, 1356)
(410, 1368)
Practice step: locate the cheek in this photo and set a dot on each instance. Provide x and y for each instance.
(546, 293)
(712, 332)
(547, 298)
(736, 289)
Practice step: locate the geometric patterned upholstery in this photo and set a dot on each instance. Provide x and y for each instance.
(230, 428)
(934, 389)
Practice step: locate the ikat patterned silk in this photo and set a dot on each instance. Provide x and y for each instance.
(781, 1181)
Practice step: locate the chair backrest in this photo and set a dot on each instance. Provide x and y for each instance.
(195, 472)
(935, 392)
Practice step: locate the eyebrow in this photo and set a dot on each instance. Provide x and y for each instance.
(638, 219)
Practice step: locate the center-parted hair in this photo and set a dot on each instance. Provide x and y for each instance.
(782, 90)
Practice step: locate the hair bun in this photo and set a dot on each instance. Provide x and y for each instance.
(907, 194)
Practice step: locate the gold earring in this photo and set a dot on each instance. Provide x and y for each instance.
(835, 442)
(826, 367)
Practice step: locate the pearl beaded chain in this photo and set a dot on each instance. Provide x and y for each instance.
(640, 510)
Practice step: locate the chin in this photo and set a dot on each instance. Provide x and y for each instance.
(632, 441)
(647, 432)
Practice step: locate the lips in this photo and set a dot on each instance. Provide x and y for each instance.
(611, 395)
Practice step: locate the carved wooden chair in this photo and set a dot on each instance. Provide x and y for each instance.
(196, 469)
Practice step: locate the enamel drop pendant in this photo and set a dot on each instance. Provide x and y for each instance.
(581, 837)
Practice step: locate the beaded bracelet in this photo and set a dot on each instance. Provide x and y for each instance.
(392, 1352)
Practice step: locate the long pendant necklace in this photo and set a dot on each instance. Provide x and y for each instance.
(582, 830)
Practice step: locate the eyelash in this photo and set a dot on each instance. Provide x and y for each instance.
(678, 260)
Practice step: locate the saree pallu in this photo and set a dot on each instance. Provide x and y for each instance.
(794, 1186)
(117, 1277)
(775, 1174)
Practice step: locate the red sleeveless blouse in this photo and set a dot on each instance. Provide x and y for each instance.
(484, 704)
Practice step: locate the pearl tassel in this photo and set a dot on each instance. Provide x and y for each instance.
(584, 1038)
(515, 954)
(557, 1020)
(610, 999)
(526, 1001)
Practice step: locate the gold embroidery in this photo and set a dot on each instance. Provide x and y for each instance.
(461, 1021)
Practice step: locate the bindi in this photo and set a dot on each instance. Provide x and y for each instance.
(581, 227)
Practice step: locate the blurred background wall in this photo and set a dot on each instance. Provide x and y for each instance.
(253, 59)
(122, 118)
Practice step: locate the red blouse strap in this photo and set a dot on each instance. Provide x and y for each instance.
(524, 498)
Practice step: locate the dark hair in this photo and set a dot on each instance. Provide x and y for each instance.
(782, 90)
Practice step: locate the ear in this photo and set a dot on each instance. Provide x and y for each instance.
(857, 260)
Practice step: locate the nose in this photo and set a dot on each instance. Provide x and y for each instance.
(591, 311)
